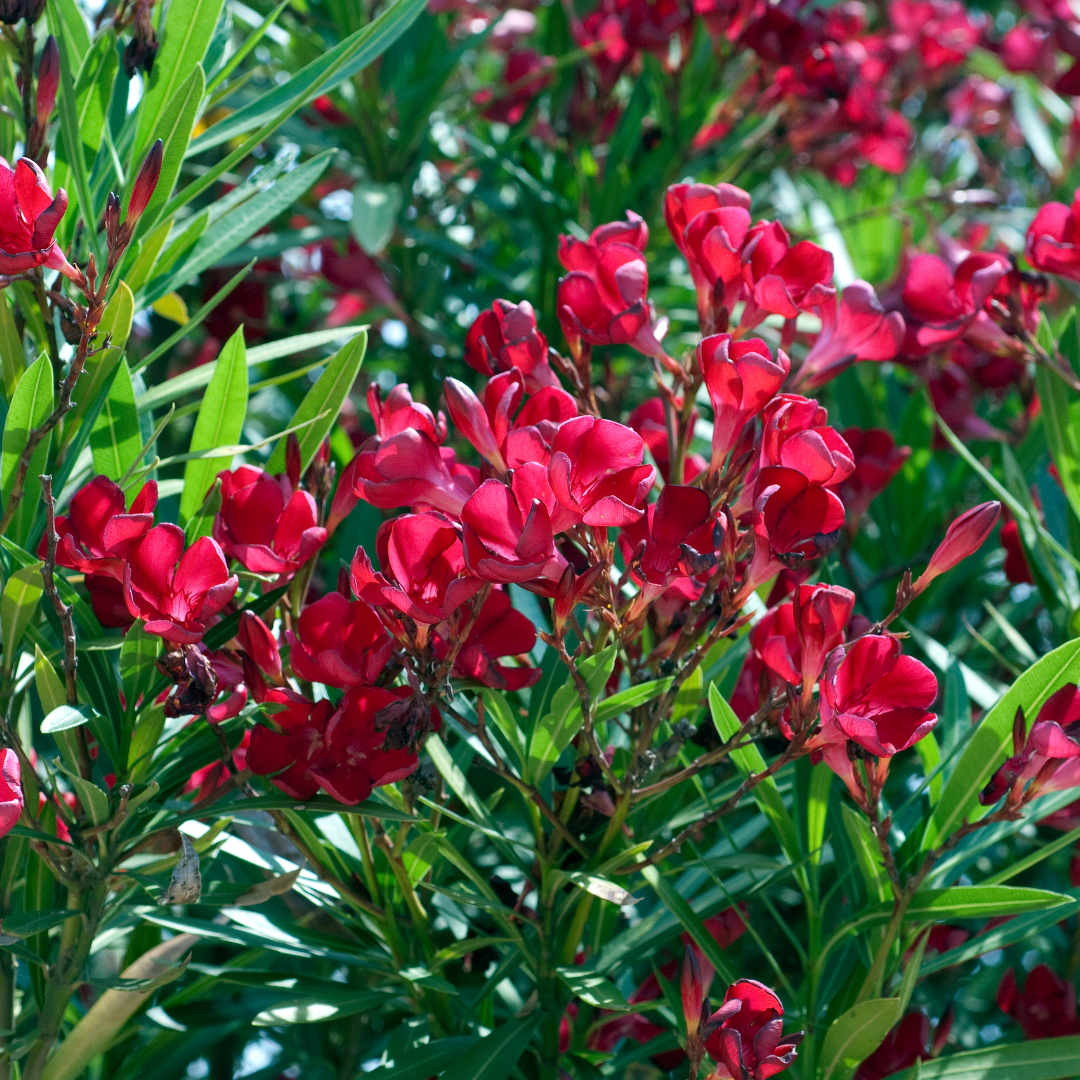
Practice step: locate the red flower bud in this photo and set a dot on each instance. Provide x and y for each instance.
(145, 183)
(257, 640)
(11, 794)
(48, 80)
(470, 418)
(693, 991)
(962, 538)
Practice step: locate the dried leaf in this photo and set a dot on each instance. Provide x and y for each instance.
(264, 890)
(185, 887)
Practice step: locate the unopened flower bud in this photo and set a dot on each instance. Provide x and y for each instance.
(292, 459)
(693, 991)
(963, 538)
(257, 640)
(112, 217)
(48, 81)
(471, 419)
(145, 183)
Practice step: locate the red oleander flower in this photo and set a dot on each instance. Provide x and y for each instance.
(398, 412)
(902, 1047)
(176, 592)
(11, 793)
(29, 216)
(266, 524)
(510, 104)
(800, 278)
(747, 1041)
(311, 745)
(205, 781)
(963, 537)
(1049, 755)
(1052, 239)
(411, 469)
(93, 538)
(818, 616)
(505, 337)
(649, 422)
(741, 378)
(713, 243)
(603, 299)
(424, 566)
(796, 435)
(943, 29)
(793, 521)
(877, 460)
(942, 303)
(858, 329)
(508, 533)
(875, 697)
(1045, 1008)
(257, 640)
(339, 642)
(596, 472)
(500, 630)
(674, 539)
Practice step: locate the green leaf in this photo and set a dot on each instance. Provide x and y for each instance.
(67, 716)
(201, 523)
(317, 1010)
(499, 710)
(691, 922)
(992, 741)
(749, 761)
(68, 106)
(555, 731)
(495, 1055)
(66, 21)
(1036, 1059)
(137, 663)
(1034, 129)
(220, 423)
(50, 687)
(174, 130)
(856, 1034)
(980, 902)
(92, 93)
(18, 606)
(325, 397)
(142, 257)
(630, 698)
(1061, 413)
(1020, 928)
(33, 922)
(115, 439)
(94, 801)
(593, 988)
(30, 405)
(425, 1059)
(189, 25)
(233, 228)
(351, 55)
(867, 853)
(195, 378)
(375, 210)
(12, 359)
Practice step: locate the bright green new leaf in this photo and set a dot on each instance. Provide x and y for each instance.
(980, 902)
(67, 716)
(116, 323)
(220, 423)
(12, 359)
(990, 744)
(94, 801)
(856, 1034)
(322, 403)
(18, 606)
(375, 210)
(115, 439)
(630, 698)
(50, 687)
(30, 405)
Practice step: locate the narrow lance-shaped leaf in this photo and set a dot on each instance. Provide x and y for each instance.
(30, 405)
(116, 439)
(220, 423)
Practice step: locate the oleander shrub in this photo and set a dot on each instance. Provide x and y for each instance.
(539, 542)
